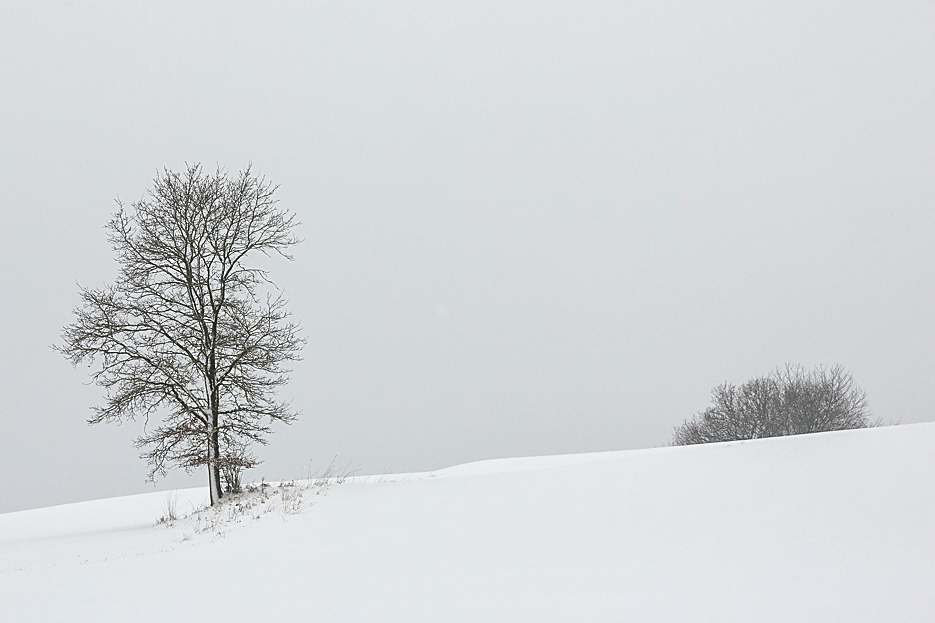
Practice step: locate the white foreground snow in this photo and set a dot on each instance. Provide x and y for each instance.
(827, 527)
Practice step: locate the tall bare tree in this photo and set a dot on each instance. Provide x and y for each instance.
(789, 401)
(192, 337)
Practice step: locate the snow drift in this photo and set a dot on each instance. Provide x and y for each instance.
(825, 527)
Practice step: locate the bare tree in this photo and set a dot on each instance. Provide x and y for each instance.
(790, 401)
(190, 334)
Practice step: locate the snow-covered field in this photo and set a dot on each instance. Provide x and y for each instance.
(827, 527)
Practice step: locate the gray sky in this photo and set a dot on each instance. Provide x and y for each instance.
(529, 228)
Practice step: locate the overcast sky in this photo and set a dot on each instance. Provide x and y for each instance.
(529, 228)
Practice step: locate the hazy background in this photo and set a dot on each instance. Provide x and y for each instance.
(529, 227)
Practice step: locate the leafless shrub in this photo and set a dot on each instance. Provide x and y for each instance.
(234, 460)
(789, 401)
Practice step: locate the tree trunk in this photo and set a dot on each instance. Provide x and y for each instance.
(214, 448)
(217, 469)
(214, 481)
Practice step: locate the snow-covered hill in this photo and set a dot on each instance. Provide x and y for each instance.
(827, 527)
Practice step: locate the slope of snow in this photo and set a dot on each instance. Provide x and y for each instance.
(827, 527)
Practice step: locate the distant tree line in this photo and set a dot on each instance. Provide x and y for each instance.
(789, 401)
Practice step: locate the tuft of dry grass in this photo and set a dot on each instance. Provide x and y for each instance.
(169, 510)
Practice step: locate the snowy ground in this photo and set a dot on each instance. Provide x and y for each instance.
(827, 527)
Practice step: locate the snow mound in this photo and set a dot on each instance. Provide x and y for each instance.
(826, 527)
